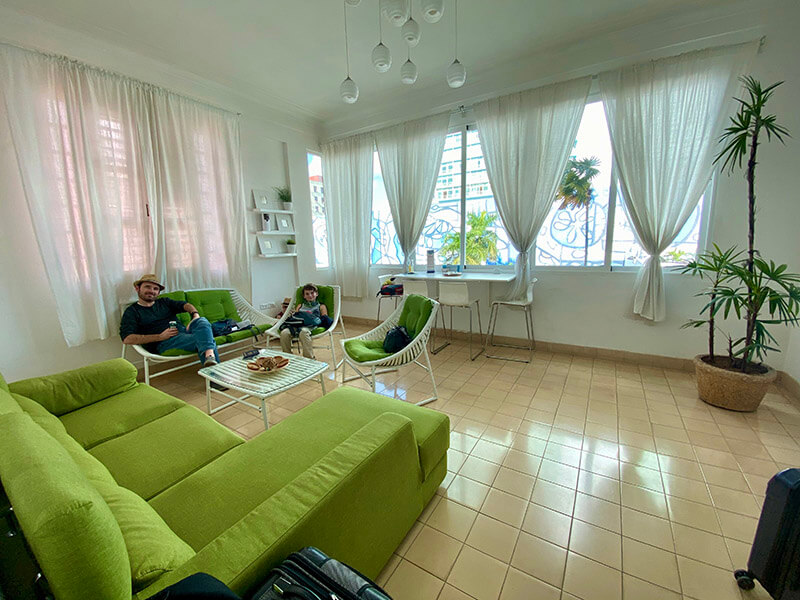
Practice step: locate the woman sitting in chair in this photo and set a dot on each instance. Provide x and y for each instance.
(307, 316)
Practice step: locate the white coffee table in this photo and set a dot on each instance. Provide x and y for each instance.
(235, 375)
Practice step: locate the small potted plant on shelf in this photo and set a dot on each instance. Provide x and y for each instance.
(284, 196)
(291, 245)
(743, 284)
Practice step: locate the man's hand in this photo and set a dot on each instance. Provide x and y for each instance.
(167, 333)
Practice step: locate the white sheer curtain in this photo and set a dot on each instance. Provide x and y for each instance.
(664, 117)
(526, 140)
(100, 167)
(347, 175)
(410, 156)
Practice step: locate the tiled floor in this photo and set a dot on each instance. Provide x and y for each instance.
(573, 477)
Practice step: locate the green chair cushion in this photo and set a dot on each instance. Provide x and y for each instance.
(283, 454)
(325, 297)
(365, 350)
(153, 548)
(8, 404)
(158, 454)
(214, 305)
(66, 522)
(416, 310)
(220, 339)
(64, 392)
(119, 414)
(92, 468)
(3, 384)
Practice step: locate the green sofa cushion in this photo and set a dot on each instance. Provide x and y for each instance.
(160, 453)
(282, 454)
(66, 522)
(3, 384)
(92, 468)
(365, 350)
(220, 339)
(416, 310)
(119, 414)
(8, 404)
(153, 548)
(214, 305)
(64, 392)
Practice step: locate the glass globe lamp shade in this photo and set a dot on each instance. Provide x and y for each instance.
(432, 10)
(349, 91)
(395, 11)
(408, 72)
(381, 58)
(410, 32)
(353, 2)
(456, 74)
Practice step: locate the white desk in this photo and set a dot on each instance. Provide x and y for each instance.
(468, 277)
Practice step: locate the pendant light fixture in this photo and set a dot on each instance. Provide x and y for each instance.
(353, 2)
(395, 11)
(410, 29)
(381, 57)
(408, 72)
(348, 90)
(456, 73)
(432, 10)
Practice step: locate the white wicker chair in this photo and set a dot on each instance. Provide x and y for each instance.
(409, 354)
(274, 331)
(246, 311)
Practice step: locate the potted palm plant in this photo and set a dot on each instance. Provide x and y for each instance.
(743, 284)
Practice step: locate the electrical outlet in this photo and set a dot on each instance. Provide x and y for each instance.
(263, 306)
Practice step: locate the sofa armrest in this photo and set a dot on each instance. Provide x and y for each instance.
(356, 504)
(64, 392)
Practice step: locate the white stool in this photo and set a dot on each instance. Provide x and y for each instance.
(416, 287)
(381, 279)
(526, 305)
(455, 294)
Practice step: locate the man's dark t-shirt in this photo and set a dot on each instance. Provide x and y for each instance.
(149, 320)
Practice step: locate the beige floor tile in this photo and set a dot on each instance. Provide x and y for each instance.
(540, 559)
(504, 507)
(687, 489)
(601, 465)
(523, 462)
(433, 551)
(528, 444)
(479, 470)
(467, 492)
(478, 574)
(553, 496)
(692, 514)
(451, 593)
(547, 524)
(734, 501)
(409, 538)
(520, 586)
(736, 526)
(591, 580)
(453, 519)
(559, 473)
(725, 478)
(700, 545)
(651, 564)
(704, 582)
(514, 482)
(387, 570)
(492, 537)
(641, 476)
(597, 512)
(598, 544)
(598, 486)
(647, 528)
(490, 451)
(637, 589)
(563, 454)
(409, 582)
(680, 467)
(644, 500)
(739, 552)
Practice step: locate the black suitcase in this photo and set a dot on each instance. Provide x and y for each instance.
(775, 556)
(311, 575)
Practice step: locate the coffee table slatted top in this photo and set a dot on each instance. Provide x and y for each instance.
(234, 374)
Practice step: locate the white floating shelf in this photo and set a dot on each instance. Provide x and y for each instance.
(275, 233)
(273, 211)
(283, 255)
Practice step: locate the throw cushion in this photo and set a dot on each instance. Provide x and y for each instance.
(67, 524)
(153, 548)
(416, 310)
(365, 350)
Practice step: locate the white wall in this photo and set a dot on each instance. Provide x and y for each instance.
(273, 153)
(595, 308)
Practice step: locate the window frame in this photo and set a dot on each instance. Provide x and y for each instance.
(311, 213)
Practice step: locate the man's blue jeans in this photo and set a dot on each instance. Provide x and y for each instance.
(199, 338)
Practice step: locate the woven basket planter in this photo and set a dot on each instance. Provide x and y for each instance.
(731, 389)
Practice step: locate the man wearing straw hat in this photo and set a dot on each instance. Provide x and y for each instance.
(151, 321)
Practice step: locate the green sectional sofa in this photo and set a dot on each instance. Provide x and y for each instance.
(121, 490)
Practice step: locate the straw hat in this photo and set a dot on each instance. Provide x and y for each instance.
(150, 278)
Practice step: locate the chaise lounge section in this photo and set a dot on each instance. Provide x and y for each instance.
(92, 459)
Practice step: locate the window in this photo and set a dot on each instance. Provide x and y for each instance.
(319, 215)
(385, 245)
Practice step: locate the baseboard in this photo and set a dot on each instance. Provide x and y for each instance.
(790, 384)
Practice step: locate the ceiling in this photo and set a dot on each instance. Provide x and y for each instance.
(290, 54)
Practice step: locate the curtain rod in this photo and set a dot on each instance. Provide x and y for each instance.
(66, 59)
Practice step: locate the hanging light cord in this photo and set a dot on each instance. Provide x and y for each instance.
(346, 47)
(380, 26)
(456, 20)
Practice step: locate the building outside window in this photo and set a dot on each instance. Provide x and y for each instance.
(319, 215)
